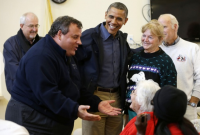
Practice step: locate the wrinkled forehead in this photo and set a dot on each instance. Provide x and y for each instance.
(116, 11)
(164, 19)
(31, 19)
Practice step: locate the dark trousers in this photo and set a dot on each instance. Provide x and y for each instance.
(35, 122)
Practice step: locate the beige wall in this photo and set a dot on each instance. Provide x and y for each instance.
(90, 12)
(10, 12)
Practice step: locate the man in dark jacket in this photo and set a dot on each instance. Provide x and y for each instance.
(47, 88)
(16, 46)
(103, 59)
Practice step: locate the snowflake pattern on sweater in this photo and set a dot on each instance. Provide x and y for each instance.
(157, 66)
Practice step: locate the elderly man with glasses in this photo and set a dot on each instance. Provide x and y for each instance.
(16, 46)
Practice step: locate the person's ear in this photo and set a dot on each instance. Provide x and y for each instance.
(106, 13)
(176, 27)
(21, 26)
(125, 21)
(59, 34)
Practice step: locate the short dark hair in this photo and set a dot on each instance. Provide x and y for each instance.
(120, 6)
(62, 23)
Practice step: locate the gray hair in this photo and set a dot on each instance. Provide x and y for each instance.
(146, 90)
(62, 23)
(172, 19)
(120, 6)
(23, 17)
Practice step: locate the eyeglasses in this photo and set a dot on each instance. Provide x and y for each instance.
(32, 26)
(152, 103)
(133, 92)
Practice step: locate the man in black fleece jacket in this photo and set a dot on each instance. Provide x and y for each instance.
(47, 89)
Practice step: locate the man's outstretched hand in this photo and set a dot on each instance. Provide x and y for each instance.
(83, 114)
(106, 108)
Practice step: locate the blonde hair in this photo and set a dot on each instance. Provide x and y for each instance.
(155, 27)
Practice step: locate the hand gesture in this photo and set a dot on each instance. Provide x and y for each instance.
(106, 108)
(83, 114)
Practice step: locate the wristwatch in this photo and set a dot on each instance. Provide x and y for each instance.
(192, 104)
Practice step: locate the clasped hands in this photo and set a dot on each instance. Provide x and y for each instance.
(103, 107)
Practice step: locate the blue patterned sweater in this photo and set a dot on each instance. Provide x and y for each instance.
(157, 66)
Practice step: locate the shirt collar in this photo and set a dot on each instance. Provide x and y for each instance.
(56, 47)
(33, 40)
(176, 41)
(104, 33)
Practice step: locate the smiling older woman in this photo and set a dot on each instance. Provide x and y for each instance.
(150, 63)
